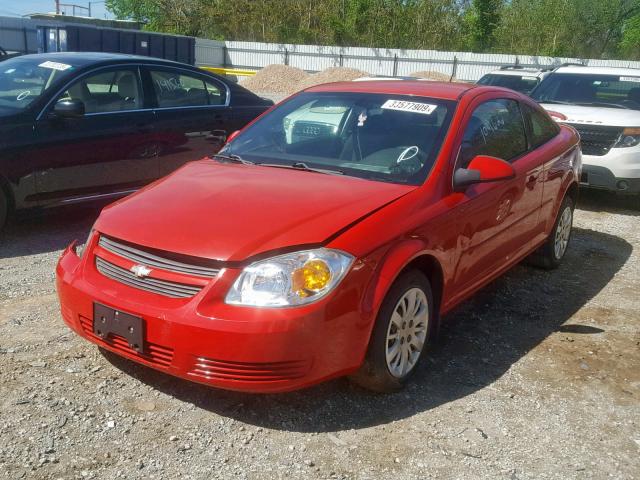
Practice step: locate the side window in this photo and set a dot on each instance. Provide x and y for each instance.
(543, 128)
(176, 89)
(217, 93)
(107, 91)
(496, 129)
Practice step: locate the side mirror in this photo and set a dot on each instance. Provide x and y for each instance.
(233, 135)
(69, 108)
(482, 169)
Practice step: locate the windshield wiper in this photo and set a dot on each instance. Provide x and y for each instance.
(603, 104)
(232, 158)
(302, 166)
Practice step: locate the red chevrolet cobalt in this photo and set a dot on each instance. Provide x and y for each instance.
(328, 237)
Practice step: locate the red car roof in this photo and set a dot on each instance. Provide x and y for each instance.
(425, 88)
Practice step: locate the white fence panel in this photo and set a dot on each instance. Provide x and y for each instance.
(210, 52)
(376, 61)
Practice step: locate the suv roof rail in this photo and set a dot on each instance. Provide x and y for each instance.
(570, 64)
(526, 67)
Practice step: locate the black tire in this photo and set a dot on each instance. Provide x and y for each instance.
(547, 255)
(375, 373)
(4, 208)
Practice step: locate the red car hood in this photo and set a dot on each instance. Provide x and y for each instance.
(232, 212)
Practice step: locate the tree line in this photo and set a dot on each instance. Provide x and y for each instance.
(569, 28)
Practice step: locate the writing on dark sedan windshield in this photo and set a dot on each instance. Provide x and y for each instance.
(385, 137)
(24, 79)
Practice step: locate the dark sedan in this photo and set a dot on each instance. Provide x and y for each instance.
(77, 127)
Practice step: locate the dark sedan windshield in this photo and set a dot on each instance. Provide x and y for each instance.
(615, 91)
(24, 79)
(383, 137)
(520, 83)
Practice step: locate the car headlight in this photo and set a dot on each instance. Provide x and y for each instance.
(630, 137)
(292, 279)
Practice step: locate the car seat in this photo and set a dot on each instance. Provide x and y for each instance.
(128, 92)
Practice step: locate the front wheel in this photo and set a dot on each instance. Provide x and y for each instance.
(399, 336)
(551, 253)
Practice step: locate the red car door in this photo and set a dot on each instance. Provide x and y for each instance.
(496, 222)
(542, 130)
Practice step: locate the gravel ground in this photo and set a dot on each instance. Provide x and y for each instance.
(536, 377)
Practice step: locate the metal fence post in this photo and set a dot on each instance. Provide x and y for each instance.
(454, 69)
(395, 65)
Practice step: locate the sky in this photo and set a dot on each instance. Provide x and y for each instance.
(17, 8)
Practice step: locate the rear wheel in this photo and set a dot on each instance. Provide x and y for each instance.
(551, 253)
(399, 336)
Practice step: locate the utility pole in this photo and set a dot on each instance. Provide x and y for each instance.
(57, 7)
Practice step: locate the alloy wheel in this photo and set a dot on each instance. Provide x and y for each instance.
(407, 332)
(563, 232)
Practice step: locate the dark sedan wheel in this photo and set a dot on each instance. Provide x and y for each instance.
(4, 208)
(551, 253)
(400, 334)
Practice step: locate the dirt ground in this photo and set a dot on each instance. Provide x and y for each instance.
(536, 377)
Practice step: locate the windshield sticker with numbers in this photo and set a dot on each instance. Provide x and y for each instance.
(414, 107)
(55, 66)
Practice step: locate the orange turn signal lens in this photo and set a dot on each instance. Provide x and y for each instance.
(312, 277)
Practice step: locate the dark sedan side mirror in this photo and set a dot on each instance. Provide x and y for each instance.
(482, 169)
(69, 108)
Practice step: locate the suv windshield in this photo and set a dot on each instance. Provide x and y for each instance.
(615, 91)
(519, 83)
(23, 80)
(383, 137)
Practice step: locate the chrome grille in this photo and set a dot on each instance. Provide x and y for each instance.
(597, 139)
(145, 257)
(154, 285)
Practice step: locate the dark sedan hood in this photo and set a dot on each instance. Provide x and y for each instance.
(232, 212)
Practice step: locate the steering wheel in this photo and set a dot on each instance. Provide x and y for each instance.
(410, 161)
(22, 95)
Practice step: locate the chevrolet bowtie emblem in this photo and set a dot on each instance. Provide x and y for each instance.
(140, 271)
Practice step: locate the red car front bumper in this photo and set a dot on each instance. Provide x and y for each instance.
(204, 340)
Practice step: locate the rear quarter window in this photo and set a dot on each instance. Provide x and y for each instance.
(542, 128)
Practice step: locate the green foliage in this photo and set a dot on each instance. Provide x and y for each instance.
(573, 28)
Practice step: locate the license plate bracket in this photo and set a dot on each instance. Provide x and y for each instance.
(108, 321)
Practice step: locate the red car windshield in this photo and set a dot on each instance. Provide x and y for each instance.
(385, 137)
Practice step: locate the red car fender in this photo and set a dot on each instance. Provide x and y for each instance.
(389, 267)
(569, 180)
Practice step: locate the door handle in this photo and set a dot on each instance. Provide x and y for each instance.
(531, 181)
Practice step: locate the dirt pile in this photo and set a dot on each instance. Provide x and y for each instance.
(333, 74)
(276, 78)
(431, 75)
(285, 79)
